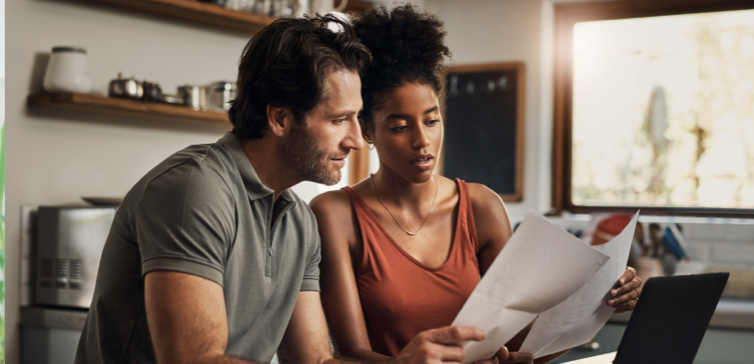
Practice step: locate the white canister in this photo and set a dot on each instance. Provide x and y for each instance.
(67, 71)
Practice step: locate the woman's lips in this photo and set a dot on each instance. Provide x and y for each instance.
(423, 161)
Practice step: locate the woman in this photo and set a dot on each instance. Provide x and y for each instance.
(404, 248)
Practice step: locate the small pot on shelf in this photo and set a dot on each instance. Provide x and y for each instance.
(127, 88)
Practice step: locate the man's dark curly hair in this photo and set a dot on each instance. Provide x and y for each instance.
(286, 65)
(407, 46)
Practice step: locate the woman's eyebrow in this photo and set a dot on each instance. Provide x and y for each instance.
(405, 116)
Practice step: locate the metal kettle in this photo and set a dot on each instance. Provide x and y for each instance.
(129, 88)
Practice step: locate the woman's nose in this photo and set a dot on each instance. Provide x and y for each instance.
(421, 138)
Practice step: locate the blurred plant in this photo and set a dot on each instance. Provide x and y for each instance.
(2, 244)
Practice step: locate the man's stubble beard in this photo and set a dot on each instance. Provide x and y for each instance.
(304, 161)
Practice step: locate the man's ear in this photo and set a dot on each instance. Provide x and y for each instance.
(279, 120)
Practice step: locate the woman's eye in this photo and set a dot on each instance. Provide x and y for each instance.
(433, 122)
(399, 128)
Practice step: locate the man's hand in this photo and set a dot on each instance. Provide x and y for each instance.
(439, 345)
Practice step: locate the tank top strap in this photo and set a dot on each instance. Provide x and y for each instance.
(358, 204)
(466, 211)
(368, 223)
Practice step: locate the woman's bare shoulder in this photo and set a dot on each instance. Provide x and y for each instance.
(483, 198)
(330, 202)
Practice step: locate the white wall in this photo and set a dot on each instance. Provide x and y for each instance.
(491, 31)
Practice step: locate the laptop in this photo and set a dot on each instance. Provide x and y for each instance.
(669, 322)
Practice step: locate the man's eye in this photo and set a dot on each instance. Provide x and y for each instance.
(433, 122)
(399, 128)
(340, 121)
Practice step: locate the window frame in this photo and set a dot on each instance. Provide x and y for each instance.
(566, 16)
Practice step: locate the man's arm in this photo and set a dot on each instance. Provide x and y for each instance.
(306, 340)
(187, 319)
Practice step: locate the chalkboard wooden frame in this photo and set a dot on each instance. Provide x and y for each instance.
(518, 71)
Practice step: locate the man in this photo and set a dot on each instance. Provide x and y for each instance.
(211, 259)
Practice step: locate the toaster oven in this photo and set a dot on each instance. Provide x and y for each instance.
(69, 245)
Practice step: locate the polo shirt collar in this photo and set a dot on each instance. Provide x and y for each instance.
(254, 187)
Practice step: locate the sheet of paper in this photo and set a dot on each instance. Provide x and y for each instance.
(577, 320)
(540, 266)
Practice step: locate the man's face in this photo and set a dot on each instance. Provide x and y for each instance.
(316, 149)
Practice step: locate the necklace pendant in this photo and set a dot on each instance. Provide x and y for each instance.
(411, 234)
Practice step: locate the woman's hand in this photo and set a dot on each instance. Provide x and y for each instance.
(438, 345)
(625, 294)
(505, 356)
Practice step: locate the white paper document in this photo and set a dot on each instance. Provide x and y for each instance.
(577, 320)
(540, 266)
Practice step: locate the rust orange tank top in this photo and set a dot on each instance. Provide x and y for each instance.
(399, 295)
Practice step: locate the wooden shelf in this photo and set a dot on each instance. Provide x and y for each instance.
(357, 6)
(209, 14)
(196, 12)
(130, 108)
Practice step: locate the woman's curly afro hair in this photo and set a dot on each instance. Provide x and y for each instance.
(407, 46)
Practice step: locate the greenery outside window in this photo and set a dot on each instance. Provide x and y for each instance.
(654, 107)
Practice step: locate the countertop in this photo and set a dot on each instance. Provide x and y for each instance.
(729, 314)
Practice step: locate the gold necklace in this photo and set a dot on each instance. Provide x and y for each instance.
(371, 181)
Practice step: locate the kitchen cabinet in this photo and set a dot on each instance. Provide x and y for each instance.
(130, 108)
(50, 335)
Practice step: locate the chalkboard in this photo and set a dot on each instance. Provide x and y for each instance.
(484, 124)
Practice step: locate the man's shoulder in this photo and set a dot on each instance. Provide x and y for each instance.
(202, 163)
(205, 171)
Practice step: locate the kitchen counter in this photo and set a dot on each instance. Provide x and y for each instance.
(56, 318)
(729, 314)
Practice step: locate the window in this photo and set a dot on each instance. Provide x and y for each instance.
(654, 107)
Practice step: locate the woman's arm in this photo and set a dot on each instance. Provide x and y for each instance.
(493, 228)
(340, 298)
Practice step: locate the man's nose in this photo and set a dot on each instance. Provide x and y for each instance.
(353, 139)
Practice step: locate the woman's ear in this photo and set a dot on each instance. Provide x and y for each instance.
(279, 120)
(366, 132)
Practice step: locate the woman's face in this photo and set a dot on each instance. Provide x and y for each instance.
(408, 132)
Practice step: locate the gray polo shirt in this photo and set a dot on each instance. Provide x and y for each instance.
(204, 211)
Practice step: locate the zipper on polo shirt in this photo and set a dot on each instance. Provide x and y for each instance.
(268, 261)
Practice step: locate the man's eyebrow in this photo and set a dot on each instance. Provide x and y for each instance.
(404, 116)
(344, 112)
